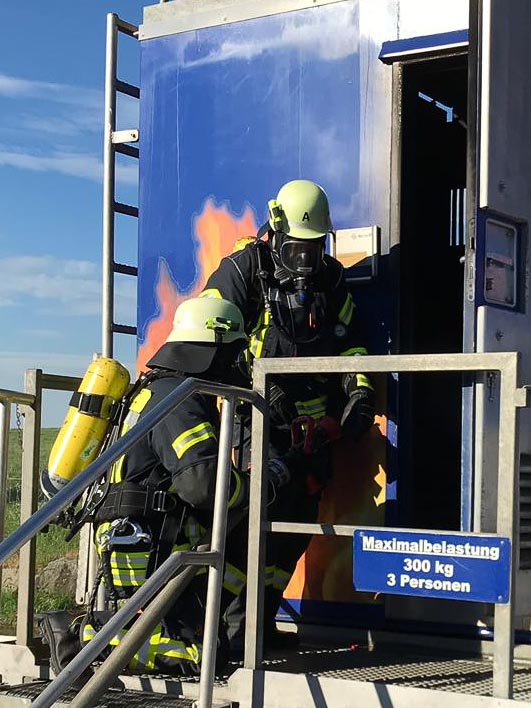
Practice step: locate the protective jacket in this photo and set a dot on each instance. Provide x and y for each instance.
(282, 324)
(279, 324)
(163, 490)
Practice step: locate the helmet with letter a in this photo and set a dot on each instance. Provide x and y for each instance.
(300, 221)
(202, 326)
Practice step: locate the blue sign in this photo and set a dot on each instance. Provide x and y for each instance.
(443, 565)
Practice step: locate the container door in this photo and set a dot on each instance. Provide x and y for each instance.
(497, 316)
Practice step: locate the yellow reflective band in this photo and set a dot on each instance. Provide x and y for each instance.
(136, 407)
(346, 312)
(129, 560)
(316, 407)
(354, 351)
(362, 380)
(256, 342)
(235, 498)
(269, 575)
(211, 292)
(140, 401)
(280, 579)
(233, 579)
(116, 470)
(191, 437)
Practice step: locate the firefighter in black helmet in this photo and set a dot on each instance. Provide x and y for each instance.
(295, 302)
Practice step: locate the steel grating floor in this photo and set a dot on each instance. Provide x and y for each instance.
(405, 667)
(111, 699)
(400, 665)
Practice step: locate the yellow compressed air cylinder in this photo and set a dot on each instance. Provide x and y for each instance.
(82, 434)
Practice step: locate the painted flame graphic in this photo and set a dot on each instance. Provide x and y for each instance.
(216, 231)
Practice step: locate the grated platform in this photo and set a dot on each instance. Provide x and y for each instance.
(397, 665)
(112, 698)
(402, 666)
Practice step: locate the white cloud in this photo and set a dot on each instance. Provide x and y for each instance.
(15, 87)
(73, 164)
(62, 286)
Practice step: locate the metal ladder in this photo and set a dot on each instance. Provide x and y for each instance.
(115, 142)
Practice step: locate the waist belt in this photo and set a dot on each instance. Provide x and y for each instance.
(128, 499)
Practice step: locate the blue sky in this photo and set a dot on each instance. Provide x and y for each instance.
(51, 118)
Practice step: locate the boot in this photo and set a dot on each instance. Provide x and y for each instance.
(60, 631)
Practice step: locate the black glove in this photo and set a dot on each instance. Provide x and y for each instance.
(358, 414)
(278, 472)
(281, 410)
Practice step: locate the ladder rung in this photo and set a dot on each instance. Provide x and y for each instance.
(125, 269)
(125, 209)
(126, 27)
(127, 150)
(123, 329)
(129, 89)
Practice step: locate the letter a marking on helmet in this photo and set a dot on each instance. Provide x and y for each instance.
(306, 217)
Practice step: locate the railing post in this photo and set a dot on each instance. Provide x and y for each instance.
(5, 415)
(215, 572)
(257, 543)
(28, 505)
(506, 525)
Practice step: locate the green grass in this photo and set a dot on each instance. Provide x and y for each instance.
(44, 602)
(50, 545)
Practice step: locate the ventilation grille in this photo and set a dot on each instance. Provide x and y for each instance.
(525, 511)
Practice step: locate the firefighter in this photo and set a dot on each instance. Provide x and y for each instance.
(160, 494)
(295, 302)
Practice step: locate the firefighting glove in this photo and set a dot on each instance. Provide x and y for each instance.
(358, 414)
(281, 410)
(278, 472)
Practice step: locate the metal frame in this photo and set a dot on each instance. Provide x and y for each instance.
(213, 558)
(113, 142)
(512, 398)
(7, 398)
(183, 16)
(35, 381)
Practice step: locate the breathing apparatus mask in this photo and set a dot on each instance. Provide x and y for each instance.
(298, 224)
(297, 261)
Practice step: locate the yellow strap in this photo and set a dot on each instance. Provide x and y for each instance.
(211, 292)
(346, 312)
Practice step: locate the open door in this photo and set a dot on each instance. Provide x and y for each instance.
(497, 308)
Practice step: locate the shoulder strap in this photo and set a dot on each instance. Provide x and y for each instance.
(98, 491)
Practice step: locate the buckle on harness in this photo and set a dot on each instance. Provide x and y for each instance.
(162, 501)
(111, 536)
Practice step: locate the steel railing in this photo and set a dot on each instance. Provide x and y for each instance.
(213, 558)
(35, 382)
(512, 398)
(7, 398)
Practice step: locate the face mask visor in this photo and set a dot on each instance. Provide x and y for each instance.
(300, 257)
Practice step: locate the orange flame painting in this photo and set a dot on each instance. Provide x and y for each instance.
(216, 231)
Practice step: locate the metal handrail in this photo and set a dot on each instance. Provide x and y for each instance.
(214, 558)
(511, 398)
(51, 509)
